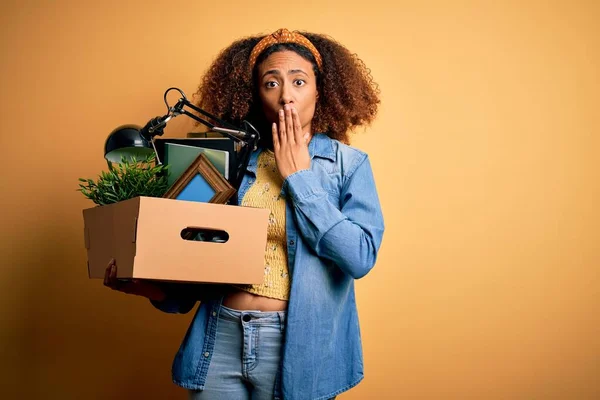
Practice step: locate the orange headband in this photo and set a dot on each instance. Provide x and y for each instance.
(283, 36)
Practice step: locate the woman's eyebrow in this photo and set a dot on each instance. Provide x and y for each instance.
(296, 71)
(271, 72)
(278, 73)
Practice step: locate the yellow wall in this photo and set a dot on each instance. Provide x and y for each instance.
(485, 155)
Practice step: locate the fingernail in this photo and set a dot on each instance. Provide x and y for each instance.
(287, 107)
(280, 112)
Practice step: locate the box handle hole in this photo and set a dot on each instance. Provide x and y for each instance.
(204, 235)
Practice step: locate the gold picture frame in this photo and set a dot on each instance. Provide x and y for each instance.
(187, 187)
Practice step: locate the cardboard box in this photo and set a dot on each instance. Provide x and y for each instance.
(144, 235)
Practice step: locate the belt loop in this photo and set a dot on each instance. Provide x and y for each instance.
(281, 316)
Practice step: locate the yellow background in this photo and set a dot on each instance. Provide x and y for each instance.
(485, 156)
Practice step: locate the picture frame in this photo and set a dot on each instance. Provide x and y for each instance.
(201, 182)
(211, 143)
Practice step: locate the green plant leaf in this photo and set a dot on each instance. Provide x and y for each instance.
(126, 180)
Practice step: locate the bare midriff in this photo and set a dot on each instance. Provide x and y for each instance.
(244, 301)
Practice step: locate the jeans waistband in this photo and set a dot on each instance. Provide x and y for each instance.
(252, 316)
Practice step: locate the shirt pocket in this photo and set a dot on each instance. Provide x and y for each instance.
(329, 178)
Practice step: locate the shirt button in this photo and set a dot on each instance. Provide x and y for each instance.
(214, 314)
(292, 242)
(206, 354)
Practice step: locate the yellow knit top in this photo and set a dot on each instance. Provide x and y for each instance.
(265, 193)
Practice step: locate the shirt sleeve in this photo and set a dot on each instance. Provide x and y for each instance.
(349, 234)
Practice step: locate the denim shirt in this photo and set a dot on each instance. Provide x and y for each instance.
(334, 228)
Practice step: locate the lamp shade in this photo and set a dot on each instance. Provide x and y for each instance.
(127, 141)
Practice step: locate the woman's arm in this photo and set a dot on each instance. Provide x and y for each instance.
(350, 236)
(178, 299)
(170, 298)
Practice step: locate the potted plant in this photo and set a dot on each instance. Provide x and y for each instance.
(126, 180)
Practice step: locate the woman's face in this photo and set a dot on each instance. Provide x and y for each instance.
(287, 78)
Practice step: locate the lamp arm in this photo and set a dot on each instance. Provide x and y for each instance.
(249, 138)
(185, 102)
(234, 134)
(246, 152)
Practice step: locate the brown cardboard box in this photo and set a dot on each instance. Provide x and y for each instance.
(144, 235)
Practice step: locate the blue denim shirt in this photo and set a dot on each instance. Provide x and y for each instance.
(334, 228)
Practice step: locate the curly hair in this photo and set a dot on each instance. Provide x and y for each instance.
(348, 96)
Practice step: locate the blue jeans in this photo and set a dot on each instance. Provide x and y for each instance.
(246, 358)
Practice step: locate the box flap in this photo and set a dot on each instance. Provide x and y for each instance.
(134, 233)
(110, 232)
(86, 236)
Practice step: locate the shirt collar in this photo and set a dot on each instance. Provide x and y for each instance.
(321, 146)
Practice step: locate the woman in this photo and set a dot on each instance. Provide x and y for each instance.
(296, 336)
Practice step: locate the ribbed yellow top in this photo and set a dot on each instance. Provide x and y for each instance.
(265, 193)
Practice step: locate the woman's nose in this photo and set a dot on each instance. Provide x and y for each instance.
(286, 96)
(284, 101)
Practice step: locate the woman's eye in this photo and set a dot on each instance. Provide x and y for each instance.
(300, 82)
(271, 84)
